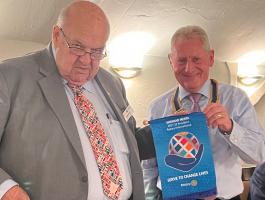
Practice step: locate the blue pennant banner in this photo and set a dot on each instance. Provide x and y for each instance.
(184, 157)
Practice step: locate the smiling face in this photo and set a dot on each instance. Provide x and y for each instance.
(191, 63)
(87, 27)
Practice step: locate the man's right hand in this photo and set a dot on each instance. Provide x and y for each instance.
(15, 193)
(182, 112)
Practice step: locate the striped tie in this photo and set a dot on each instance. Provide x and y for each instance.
(195, 98)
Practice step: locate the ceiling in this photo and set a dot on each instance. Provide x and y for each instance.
(235, 27)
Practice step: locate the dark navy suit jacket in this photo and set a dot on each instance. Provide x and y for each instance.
(257, 183)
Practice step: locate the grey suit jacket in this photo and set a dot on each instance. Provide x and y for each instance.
(40, 146)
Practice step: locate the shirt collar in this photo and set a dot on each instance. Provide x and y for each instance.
(205, 90)
(90, 86)
(53, 52)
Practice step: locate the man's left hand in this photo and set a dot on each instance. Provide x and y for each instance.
(217, 116)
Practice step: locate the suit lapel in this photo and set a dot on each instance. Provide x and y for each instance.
(126, 130)
(136, 170)
(108, 97)
(53, 90)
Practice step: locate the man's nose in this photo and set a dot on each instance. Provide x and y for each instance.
(188, 66)
(86, 58)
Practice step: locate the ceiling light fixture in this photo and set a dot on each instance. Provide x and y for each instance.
(127, 51)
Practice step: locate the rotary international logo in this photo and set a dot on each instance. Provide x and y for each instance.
(185, 151)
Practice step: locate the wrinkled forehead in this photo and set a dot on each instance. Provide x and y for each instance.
(92, 33)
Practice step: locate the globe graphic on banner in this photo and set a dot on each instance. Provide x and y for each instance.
(184, 144)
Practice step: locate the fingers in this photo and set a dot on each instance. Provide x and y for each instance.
(181, 112)
(216, 119)
(214, 113)
(217, 116)
(210, 198)
(15, 193)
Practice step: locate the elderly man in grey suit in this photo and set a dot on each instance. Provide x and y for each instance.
(64, 132)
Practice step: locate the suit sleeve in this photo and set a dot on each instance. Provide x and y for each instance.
(257, 183)
(149, 163)
(145, 143)
(4, 110)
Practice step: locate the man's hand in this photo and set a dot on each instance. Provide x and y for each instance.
(211, 198)
(217, 116)
(181, 112)
(15, 193)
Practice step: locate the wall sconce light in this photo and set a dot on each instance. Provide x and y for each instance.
(124, 72)
(248, 73)
(127, 51)
(250, 80)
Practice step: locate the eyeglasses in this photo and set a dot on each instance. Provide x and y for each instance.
(76, 49)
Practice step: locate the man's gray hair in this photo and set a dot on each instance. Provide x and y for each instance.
(188, 32)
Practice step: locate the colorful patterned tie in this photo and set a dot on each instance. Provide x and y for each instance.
(195, 98)
(106, 161)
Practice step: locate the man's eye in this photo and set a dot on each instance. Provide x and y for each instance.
(77, 46)
(196, 60)
(100, 51)
(181, 61)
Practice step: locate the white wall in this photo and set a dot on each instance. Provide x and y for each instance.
(14, 48)
(155, 78)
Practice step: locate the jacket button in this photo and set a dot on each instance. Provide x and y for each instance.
(84, 179)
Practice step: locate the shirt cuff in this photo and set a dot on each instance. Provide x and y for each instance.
(236, 134)
(5, 186)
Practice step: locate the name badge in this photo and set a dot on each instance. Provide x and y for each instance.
(128, 112)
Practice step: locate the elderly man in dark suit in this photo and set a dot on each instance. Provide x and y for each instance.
(257, 183)
(64, 132)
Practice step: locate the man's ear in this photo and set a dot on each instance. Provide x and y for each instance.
(169, 58)
(211, 57)
(170, 61)
(55, 35)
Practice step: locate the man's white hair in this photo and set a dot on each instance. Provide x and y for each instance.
(188, 32)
